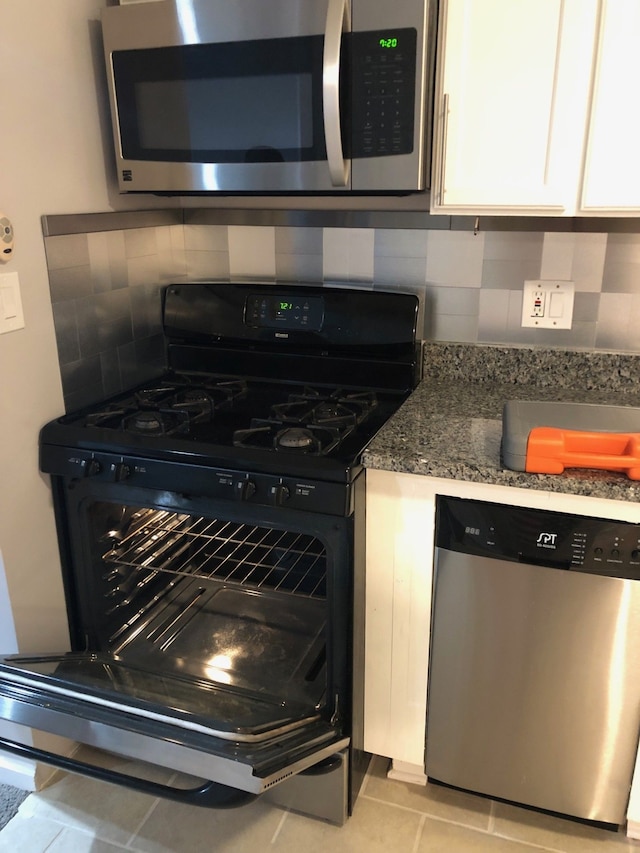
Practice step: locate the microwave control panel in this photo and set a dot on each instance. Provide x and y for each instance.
(383, 92)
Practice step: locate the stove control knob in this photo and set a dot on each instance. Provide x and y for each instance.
(280, 494)
(121, 471)
(245, 489)
(92, 467)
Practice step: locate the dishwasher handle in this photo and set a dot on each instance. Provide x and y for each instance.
(208, 795)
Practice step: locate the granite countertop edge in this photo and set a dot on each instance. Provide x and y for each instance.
(450, 427)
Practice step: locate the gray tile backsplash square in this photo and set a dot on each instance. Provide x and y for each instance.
(509, 273)
(106, 286)
(67, 250)
(513, 246)
(621, 272)
(106, 295)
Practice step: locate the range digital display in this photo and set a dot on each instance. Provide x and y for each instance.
(280, 311)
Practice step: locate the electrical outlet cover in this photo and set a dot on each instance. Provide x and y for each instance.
(547, 304)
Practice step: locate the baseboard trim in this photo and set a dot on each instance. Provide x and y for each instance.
(18, 772)
(403, 771)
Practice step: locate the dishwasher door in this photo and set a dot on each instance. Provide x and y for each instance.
(534, 689)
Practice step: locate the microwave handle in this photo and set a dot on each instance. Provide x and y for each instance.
(338, 20)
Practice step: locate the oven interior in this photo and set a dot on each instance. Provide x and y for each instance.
(219, 618)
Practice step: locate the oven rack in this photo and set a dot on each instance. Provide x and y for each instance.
(214, 549)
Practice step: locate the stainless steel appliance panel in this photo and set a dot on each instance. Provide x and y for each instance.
(410, 171)
(534, 689)
(147, 27)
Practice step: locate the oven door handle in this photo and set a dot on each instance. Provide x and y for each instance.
(338, 20)
(209, 794)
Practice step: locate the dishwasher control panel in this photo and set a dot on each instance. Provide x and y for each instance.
(539, 537)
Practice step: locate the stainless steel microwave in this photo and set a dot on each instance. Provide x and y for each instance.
(270, 96)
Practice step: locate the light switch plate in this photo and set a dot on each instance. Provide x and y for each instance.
(11, 314)
(547, 304)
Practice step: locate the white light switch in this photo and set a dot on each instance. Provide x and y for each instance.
(11, 315)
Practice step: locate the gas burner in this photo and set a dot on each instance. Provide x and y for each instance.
(156, 422)
(339, 408)
(295, 438)
(210, 387)
(270, 435)
(148, 421)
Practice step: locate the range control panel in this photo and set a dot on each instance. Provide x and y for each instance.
(194, 480)
(539, 537)
(383, 92)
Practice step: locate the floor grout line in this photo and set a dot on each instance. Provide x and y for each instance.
(57, 835)
(421, 824)
(533, 844)
(492, 816)
(279, 827)
(142, 822)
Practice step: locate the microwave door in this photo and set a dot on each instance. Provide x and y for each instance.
(244, 109)
(243, 744)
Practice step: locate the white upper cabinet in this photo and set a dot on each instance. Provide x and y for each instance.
(611, 182)
(529, 112)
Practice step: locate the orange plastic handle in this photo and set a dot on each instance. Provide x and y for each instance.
(550, 450)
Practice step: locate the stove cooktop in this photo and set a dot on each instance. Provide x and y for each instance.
(225, 417)
(278, 379)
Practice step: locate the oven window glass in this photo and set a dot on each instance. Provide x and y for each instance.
(241, 102)
(222, 602)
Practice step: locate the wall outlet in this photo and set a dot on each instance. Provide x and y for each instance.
(547, 304)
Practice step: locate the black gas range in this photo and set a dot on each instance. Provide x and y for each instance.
(211, 528)
(289, 381)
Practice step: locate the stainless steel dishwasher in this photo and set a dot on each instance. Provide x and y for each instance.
(534, 686)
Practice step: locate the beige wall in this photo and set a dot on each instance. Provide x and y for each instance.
(47, 164)
(51, 160)
(55, 155)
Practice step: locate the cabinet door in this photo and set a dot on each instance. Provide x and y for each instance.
(612, 166)
(511, 104)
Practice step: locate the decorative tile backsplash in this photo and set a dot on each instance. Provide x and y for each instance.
(106, 296)
(106, 286)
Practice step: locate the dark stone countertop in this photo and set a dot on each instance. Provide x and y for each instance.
(451, 426)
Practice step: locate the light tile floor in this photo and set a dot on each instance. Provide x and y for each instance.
(80, 815)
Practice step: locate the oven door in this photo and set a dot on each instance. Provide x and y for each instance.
(227, 97)
(240, 745)
(209, 637)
